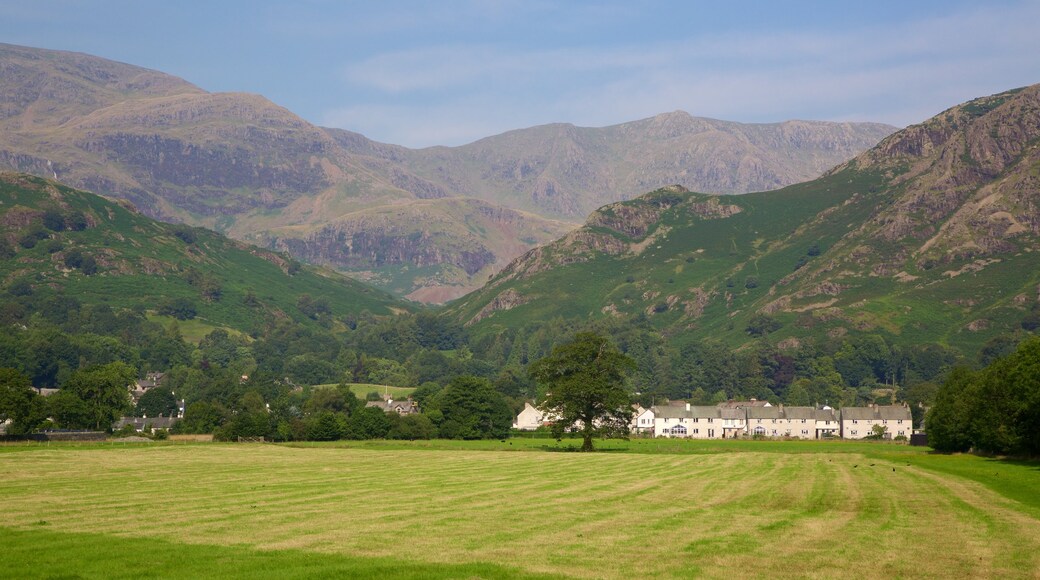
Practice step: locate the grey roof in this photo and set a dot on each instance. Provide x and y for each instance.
(731, 404)
(807, 413)
(732, 413)
(669, 412)
(142, 422)
(825, 415)
(879, 412)
(699, 412)
(406, 406)
(763, 412)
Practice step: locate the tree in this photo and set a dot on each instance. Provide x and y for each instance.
(412, 427)
(17, 401)
(104, 391)
(877, 432)
(368, 423)
(156, 402)
(762, 324)
(179, 308)
(583, 381)
(473, 409)
(326, 426)
(202, 417)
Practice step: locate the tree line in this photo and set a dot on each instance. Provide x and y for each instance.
(49, 339)
(992, 410)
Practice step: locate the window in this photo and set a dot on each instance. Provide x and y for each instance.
(696, 431)
(854, 421)
(760, 430)
(803, 420)
(854, 432)
(805, 431)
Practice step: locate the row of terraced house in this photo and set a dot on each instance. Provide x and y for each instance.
(734, 419)
(754, 418)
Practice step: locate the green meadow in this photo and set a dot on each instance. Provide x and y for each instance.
(520, 508)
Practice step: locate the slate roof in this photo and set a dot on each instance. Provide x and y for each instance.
(880, 412)
(732, 413)
(731, 404)
(763, 412)
(140, 423)
(796, 413)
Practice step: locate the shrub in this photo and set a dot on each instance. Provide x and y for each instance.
(762, 324)
(179, 308)
(53, 220)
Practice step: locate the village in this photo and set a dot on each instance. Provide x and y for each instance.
(675, 419)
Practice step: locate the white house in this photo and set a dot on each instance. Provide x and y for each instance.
(734, 422)
(859, 422)
(690, 422)
(827, 423)
(529, 419)
(642, 420)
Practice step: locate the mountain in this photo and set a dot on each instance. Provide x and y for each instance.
(931, 236)
(567, 172)
(57, 241)
(239, 164)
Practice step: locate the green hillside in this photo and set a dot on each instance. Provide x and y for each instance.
(59, 241)
(901, 241)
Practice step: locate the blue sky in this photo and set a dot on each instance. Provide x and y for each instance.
(449, 72)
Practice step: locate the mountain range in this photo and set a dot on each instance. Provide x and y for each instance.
(430, 224)
(933, 235)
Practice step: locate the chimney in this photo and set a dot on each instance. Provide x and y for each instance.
(687, 406)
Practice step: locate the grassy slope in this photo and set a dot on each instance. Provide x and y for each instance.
(362, 389)
(123, 241)
(765, 241)
(704, 508)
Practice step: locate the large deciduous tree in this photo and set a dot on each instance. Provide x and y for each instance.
(18, 402)
(473, 409)
(584, 385)
(104, 390)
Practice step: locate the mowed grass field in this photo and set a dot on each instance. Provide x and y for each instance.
(461, 510)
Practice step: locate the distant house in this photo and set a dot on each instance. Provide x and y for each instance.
(827, 423)
(734, 422)
(642, 420)
(141, 423)
(688, 421)
(45, 391)
(799, 422)
(405, 407)
(150, 381)
(859, 422)
(767, 422)
(529, 419)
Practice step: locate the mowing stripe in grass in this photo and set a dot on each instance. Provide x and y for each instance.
(588, 515)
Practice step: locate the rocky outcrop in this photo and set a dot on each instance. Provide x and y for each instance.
(505, 300)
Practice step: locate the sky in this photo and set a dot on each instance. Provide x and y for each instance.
(448, 72)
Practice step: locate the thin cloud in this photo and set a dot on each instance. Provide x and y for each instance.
(898, 75)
